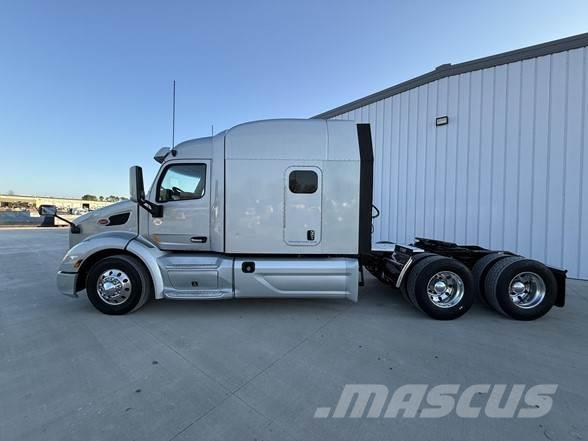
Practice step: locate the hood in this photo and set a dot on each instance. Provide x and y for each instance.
(120, 216)
(109, 210)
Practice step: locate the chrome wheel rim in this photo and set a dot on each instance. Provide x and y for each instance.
(114, 287)
(445, 289)
(527, 290)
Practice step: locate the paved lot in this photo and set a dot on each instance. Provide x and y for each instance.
(258, 369)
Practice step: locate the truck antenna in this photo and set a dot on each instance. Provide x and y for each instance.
(212, 130)
(173, 149)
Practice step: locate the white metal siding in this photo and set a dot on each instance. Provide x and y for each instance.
(507, 172)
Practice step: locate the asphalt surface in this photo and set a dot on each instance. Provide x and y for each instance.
(258, 369)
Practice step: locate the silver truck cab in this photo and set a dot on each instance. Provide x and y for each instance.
(265, 209)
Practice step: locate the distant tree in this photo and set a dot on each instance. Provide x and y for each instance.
(10, 193)
(89, 197)
(101, 198)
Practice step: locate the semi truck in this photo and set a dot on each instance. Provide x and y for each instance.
(280, 209)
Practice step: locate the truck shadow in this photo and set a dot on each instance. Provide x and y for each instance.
(374, 299)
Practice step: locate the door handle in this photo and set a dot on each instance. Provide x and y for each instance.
(198, 239)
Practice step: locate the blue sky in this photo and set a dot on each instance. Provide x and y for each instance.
(85, 87)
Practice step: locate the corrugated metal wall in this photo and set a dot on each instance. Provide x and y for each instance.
(508, 172)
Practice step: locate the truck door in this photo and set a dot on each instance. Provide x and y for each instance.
(303, 206)
(182, 188)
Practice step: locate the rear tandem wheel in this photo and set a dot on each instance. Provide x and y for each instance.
(441, 287)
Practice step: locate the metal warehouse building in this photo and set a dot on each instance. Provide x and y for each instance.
(491, 152)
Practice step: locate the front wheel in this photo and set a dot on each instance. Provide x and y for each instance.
(118, 284)
(441, 287)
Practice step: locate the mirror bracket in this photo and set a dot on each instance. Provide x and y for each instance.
(75, 229)
(51, 211)
(154, 209)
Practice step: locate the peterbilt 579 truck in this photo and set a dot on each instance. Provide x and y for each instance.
(280, 208)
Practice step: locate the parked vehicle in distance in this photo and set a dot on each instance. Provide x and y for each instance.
(78, 211)
(280, 208)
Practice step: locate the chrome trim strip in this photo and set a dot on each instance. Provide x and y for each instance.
(403, 272)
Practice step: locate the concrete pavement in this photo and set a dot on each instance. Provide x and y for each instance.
(258, 369)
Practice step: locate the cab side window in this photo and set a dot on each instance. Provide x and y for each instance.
(303, 181)
(181, 182)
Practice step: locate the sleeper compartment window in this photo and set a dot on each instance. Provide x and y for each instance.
(303, 181)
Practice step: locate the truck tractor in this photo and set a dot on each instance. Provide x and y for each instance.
(280, 209)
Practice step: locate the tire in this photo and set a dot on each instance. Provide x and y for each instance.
(404, 292)
(531, 304)
(454, 274)
(129, 277)
(416, 259)
(479, 272)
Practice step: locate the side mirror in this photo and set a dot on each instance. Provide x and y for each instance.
(50, 211)
(137, 193)
(47, 210)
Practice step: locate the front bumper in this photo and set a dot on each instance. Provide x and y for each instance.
(66, 283)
